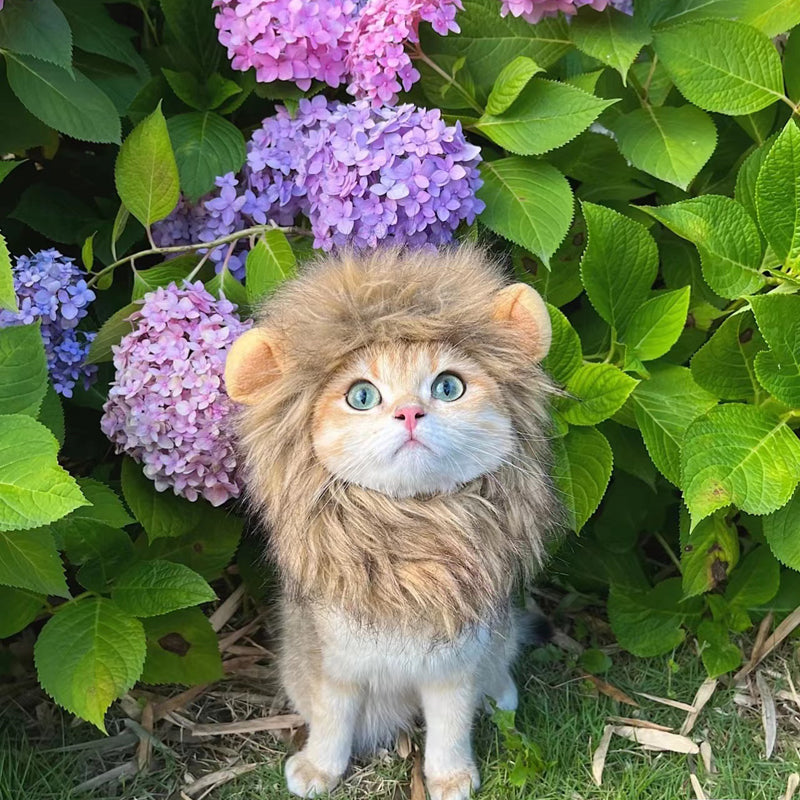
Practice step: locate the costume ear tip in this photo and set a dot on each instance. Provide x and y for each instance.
(250, 366)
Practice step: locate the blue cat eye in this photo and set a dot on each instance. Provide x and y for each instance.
(447, 387)
(362, 396)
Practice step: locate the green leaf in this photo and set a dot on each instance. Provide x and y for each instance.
(725, 236)
(8, 295)
(587, 81)
(161, 514)
(755, 581)
(595, 661)
(34, 489)
(565, 355)
(630, 454)
(664, 407)
(111, 333)
(656, 325)
(597, 391)
(613, 38)
(510, 82)
(192, 25)
(708, 554)
(158, 587)
(95, 32)
(791, 66)
(721, 65)
(546, 115)
(23, 370)
(648, 623)
(56, 213)
(747, 177)
(198, 95)
(89, 654)
(782, 532)
(87, 253)
(562, 284)
(29, 560)
(777, 16)
(173, 271)
(528, 202)
(619, 264)
(778, 369)
(758, 125)
(269, 263)
(20, 608)
(119, 226)
(718, 653)
(146, 174)
(51, 414)
(104, 507)
(724, 365)
(86, 541)
(188, 87)
(488, 42)
(206, 145)
(27, 131)
(581, 472)
(778, 195)
(181, 648)
(37, 28)
(208, 548)
(668, 12)
(71, 104)
(223, 284)
(738, 455)
(671, 143)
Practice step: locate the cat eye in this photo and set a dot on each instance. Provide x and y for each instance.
(447, 387)
(362, 396)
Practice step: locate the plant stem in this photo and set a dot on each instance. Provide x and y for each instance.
(667, 549)
(54, 609)
(649, 78)
(182, 248)
(418, 55)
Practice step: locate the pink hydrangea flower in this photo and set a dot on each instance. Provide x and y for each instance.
(378, 61)
(167, 407)
(535, 10)
(287, 40)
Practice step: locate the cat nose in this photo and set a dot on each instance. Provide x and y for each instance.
(410, 415)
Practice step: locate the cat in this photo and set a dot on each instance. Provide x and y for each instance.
(393, 436)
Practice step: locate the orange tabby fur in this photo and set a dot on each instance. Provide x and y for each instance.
(443, 562)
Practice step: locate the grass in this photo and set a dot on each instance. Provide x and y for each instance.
(558, 711)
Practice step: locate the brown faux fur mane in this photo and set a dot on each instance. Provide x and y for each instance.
(447, 560)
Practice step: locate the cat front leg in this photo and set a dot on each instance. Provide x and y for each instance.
(319, 766)
(449, 708)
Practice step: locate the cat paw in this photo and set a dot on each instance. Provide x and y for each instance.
(454, 785)
(304, 779)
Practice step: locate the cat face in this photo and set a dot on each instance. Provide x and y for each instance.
(411, 419)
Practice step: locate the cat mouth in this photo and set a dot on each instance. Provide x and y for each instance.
(410, 445)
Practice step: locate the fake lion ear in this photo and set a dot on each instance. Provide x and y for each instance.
(252, 364)
(522, 307)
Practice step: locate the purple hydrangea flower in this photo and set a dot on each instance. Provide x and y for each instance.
(535, 10)
(167, 407)
(287, 40)
(362, 175)
(377, 60)
(359, 42)
(52, 290)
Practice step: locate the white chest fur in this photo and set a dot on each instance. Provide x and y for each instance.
(396, 659)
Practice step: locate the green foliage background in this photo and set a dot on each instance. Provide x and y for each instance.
(642, 173)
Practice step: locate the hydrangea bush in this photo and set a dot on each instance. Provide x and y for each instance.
(167, 406)
(636, 162)
(361, 175)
